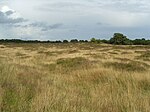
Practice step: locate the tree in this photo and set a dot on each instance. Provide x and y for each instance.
(74, 41)
(120, 39)
(65, 41)
(58, 41)
(82, 41)
(105, 41)
(142, 41)
(93, 40)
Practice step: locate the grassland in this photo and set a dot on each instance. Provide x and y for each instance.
(74, 78)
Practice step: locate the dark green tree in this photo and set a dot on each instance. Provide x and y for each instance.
(120, 39)
(142, 41)
(74, 41)
(93, 40)
(65, 41)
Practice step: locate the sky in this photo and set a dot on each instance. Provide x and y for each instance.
(73, 19)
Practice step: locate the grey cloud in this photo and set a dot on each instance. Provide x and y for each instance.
(99, 23)
(65, 4)
(129, 7)
(45, 27)
(55, 26)
(9, 13)
(79, 7)
(62, 6)
(6, 19)
(41, 25)
(22, 26)
(135, 6)
(37, 24)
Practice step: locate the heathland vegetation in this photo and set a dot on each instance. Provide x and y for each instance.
(74, 77)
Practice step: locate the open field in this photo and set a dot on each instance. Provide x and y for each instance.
(79, 77)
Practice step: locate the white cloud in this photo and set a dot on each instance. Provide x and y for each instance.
(9, 16)
(5, 9)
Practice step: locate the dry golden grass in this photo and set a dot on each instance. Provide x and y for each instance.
(74, 78)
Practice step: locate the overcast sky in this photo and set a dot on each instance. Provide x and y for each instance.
(69, 19)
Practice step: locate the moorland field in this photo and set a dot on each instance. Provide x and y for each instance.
(74, 77)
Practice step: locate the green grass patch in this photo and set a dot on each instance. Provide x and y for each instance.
(51, 53)
(130, 66)
(144, 85)
(20, 54)
(145, 56)
(74, 63)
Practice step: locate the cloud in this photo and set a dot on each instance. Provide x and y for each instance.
(132, 6)
(8, 13)
(117, 13)
(13, 19)
(8, 16)
(78, 18)
(41, 25)
(50, 27)
(62, 6)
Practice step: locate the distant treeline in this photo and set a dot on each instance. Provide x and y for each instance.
(117, 39)
(38, 41)
(120, 39)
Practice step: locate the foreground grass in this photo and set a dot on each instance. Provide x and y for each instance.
(74, 78)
